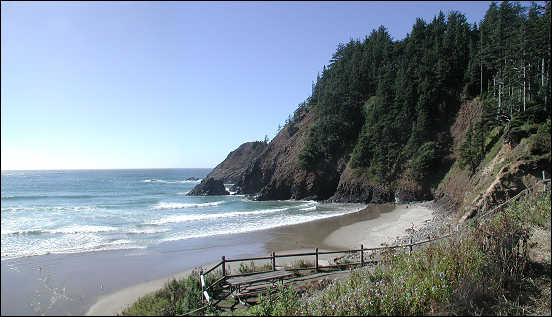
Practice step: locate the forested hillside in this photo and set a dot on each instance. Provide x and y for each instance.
(392, 103)
(377, 126)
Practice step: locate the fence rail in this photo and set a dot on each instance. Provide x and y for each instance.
(222, 264)
(273, 257)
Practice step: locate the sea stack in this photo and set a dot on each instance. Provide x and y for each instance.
(209, 186)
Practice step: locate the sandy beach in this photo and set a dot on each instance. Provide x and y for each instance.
(371, 227)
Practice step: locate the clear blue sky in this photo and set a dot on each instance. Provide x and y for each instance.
(175, 84)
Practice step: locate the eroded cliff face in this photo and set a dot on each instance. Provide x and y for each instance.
(231, 169)
(272, 172)
(505, 171)
(275, 173)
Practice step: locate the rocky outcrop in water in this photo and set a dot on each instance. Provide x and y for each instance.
(209, 186)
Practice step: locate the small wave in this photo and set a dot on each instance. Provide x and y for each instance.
(49, 208)
(115, 245)
(185, 218)
(182, 193)
(66, 230)
(34, 197)
(308, 208)
(163, 205)
(116, 242)
(147, 231)
(83, 229)
(22, 232)
(170, 182)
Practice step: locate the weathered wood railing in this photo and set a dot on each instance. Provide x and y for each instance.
(317, 253)
(205, 289)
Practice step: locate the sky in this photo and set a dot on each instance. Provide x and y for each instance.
(99, 85)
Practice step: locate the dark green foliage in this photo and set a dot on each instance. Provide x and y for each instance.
(423, 160)
(515, 132)
(472, 150)
(542, 142)
(382, 100)
(282, 303)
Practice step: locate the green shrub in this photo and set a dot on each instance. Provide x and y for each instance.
(542, 140)
(424, 159)
(282, 303)
(177, 297)
(472, 150)
(244, 268)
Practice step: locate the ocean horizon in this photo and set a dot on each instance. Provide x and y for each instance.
(78, 211)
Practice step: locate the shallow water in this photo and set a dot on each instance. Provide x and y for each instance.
(75, 211)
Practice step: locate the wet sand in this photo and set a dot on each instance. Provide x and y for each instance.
(69, 284)
(104, 283)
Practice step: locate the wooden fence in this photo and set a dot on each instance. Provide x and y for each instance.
(317, 267)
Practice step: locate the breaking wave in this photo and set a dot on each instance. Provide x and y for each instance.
(185, 218)
(170, 182)
(163, 205)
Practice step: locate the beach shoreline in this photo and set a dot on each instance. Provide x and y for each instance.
(105, 282)
(377, 224)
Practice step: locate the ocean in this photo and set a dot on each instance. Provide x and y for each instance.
(79, 211)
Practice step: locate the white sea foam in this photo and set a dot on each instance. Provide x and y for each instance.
(49, 208)
(75, 243)
(117, 242)
(164, 205)
(82, 229)
(147, 231)
(28, 231)
(185, 218)
(250, 227)
(64, 230)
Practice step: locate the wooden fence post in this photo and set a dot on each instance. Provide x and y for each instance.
(223, 266)
(273, 261)
(410, 247)
(361, 255)
(316, 262)
(201, 280)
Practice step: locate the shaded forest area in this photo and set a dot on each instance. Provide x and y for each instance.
(389, 104)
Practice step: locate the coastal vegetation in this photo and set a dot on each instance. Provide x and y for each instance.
(176, 298)
(485, 270)
(461, 111)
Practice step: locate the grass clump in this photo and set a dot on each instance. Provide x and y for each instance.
(283, 302)
(251, 268)
(300, 264)
(177, 297)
